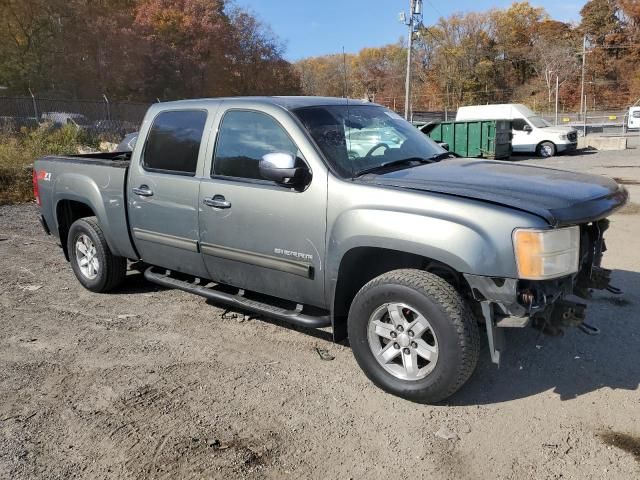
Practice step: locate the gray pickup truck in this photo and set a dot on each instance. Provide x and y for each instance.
(325, 212)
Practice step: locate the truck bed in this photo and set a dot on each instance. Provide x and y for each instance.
(98, 180)
(110, 159)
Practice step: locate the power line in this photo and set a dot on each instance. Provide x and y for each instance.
(435, 8)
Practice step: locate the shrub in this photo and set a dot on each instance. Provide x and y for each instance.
(18, 150)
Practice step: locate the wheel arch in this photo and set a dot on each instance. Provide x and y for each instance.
(76, 195)
(67, 212)
(361, 264)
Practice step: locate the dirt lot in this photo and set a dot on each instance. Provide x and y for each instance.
(152, 383)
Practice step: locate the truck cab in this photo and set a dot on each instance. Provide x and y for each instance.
(228, 223)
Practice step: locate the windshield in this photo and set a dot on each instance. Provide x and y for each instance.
(361, 137)
(538, 122)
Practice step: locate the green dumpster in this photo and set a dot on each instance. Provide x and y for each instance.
(478, 138)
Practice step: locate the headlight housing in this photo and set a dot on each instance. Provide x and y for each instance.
(544, 254)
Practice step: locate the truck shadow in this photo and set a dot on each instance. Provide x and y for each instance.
(136, 283)
(321, 334)
(520, 157)
(572, 365)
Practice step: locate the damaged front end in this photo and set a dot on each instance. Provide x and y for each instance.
(543, 304)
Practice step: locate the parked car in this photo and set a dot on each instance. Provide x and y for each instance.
(531, 133)
(65, 118)
(371, 141)
(115, 127)
(9, 123)
(259, 203)
(127, 143)
(633, 121)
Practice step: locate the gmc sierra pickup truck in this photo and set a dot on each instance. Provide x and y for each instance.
(325, 212)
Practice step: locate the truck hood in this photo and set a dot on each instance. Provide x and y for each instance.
(558, 196)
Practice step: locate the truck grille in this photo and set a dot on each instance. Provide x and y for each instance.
(572, 136)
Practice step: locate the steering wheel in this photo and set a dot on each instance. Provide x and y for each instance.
(375, 147)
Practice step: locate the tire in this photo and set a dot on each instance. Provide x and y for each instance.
(546, 149)
(105, 271)
(453, 335)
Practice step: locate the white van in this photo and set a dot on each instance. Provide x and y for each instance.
(531, 133)
(634, 118)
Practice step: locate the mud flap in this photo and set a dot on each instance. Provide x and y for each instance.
(495, 334)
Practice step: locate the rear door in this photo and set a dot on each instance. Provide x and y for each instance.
(258, 235)
(163, 190)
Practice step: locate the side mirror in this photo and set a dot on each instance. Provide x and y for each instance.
(280, 167)
(527, 128)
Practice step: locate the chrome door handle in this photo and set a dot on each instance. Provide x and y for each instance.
(217, 201)
(143, 191)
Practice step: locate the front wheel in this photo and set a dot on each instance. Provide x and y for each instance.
(546, 149)
(413, 335)
(95, 267)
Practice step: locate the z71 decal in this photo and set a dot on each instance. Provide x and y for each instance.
(44, 176)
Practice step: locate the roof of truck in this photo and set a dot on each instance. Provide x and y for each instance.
(290, 103)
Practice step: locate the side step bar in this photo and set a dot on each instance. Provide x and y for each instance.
(295, 317)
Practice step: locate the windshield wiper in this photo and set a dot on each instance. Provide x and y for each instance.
(441, 156)
(395, 163)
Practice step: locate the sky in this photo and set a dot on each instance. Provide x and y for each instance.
(311, 27)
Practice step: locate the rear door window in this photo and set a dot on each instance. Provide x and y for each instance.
(174, 142)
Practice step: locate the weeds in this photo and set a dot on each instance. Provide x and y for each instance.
(18, 150)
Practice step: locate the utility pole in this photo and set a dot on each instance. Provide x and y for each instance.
(414, 20)
(557, 87)
(584, 62)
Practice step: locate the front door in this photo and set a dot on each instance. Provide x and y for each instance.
(523, 140)
(255, 234)
(163, 192)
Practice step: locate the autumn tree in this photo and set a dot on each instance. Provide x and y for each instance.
(324, 75)
(139, 49)
(256, 59)
(553, 53)
(463, 54)
(512, 30)
(378, 73)
(27, 33)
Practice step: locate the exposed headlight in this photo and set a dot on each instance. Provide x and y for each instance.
(542, 254)
(564, 137)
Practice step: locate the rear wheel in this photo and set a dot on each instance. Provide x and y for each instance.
(413, 335)
(546, 149)
(95, 267)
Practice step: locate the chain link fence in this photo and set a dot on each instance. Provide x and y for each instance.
(95, 117)
(604, 122)
(597, 122)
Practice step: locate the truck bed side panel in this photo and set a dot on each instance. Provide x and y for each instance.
(97, 183)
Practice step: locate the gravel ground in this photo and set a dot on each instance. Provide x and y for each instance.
(153, 383)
